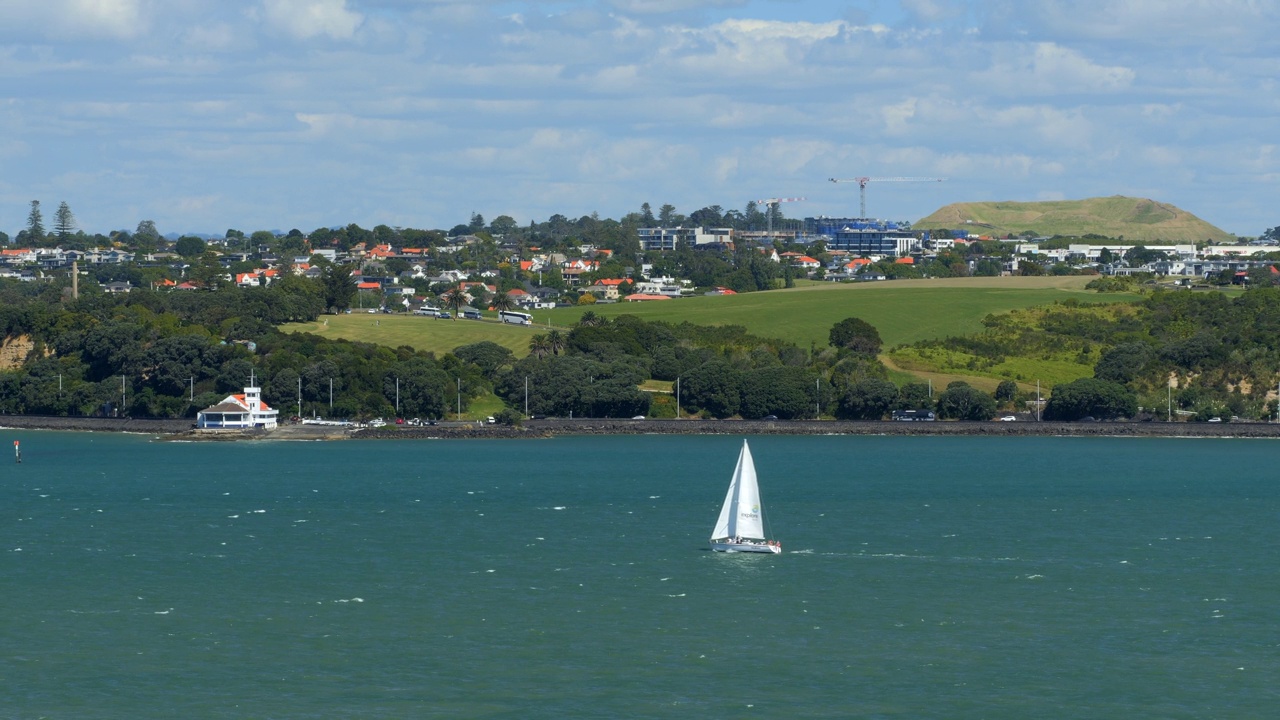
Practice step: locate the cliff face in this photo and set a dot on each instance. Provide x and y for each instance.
(1136, 220)
(14, 351)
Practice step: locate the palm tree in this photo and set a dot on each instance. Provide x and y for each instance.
(590, 319)
(455, 298)
(539, 346)
(502, 301)
(555, 341)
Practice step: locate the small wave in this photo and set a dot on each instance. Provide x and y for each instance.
(350, 600)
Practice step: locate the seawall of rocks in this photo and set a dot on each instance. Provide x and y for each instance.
(158, 426)
(182, 428)
(550, 428)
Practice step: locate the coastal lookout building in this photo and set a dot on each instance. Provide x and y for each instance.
(238, 412)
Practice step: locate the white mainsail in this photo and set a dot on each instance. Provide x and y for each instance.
(741, 515)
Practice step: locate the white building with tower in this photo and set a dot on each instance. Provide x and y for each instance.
(239, 412)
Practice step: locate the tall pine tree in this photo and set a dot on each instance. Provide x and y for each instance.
(35, 224)
(64, 224)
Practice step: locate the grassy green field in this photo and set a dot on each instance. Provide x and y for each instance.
(904, 311)
(420, 333)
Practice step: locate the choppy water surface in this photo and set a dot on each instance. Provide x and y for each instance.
(923, 578)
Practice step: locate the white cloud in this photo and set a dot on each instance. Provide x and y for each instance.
(304, 19)
(1064, 69)
(75, 19)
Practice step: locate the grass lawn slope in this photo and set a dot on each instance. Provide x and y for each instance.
(418, 332)
(904, 311)
(1137, 220)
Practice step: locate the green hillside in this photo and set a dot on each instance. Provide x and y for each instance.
(903, 311)
(1137, 220)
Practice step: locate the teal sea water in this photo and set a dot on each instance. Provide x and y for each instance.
(922, 578)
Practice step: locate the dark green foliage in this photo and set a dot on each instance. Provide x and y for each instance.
(963, 402)
(788, 392)
(1091, 397)
(487, 355)
(714, 388)
(869, 399)
(339, 287)
(189, 246)
(1124, 362)
(574, 386)
(1006, 391)
(857, 335)
(914, 396)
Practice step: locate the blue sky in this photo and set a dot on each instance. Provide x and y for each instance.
(276, 114)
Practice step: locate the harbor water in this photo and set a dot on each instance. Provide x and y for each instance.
(922, 577)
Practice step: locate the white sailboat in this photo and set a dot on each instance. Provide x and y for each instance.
(741, 524)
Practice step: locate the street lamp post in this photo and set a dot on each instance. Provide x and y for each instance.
(526, 396)
(678, 398)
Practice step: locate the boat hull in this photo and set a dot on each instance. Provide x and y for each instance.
(746, 547)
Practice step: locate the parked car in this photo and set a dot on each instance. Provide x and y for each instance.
(638, 417)
(491, 420)
(1009, 418)
(769, 417)
(443, 315)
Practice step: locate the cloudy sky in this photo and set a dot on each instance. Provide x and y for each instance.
(204, 115)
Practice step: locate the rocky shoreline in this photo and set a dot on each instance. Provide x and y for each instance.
(181, 429)
(552, 428)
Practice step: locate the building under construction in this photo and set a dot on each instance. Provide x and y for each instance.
(862, 236)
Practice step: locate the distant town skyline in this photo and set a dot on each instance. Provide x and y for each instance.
(278, 114)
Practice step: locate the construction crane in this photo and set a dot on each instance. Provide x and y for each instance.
(862, 187)
(772, 203)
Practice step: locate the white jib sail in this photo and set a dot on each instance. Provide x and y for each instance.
(741, 515)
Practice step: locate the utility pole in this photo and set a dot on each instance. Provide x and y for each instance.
(678, 415)
(123, 397)
(397, 397)
(526, 396)
(192, 383)
(299, 396)
(459, 399)
(817, 398)
(331, 396)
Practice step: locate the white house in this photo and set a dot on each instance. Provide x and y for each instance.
(239, 412)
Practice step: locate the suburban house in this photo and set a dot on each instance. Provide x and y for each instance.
(239, 412)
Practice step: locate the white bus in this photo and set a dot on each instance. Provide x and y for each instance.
(515, 318)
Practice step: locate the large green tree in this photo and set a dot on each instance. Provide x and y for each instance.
(857, 335)
(960, 401)
(1091, 397)
(867, 399)
(64, 225)
(339, 286)
(35, 223)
